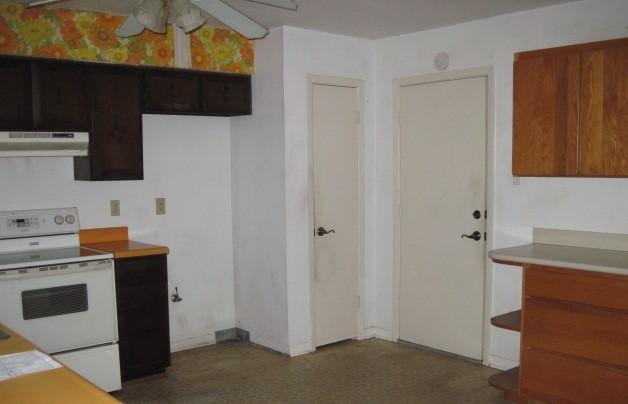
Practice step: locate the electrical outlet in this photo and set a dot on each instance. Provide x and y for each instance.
(115, 207)
(160, 206)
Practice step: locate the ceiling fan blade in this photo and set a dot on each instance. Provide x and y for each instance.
(232, 18)
(38, 3)
(130, 27)
(285, 4)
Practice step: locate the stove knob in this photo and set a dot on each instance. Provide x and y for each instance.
(70, 219)
(59, 220)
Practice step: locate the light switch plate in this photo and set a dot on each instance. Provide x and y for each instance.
(115, 207)
(160, 206)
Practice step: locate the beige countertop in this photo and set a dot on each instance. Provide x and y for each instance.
(572, 257)
(57, 386)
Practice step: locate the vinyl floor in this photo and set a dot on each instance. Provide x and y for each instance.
(369, 371)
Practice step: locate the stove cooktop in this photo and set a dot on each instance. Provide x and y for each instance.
(54, 256)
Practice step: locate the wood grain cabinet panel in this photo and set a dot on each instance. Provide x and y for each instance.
(16, 112)
(559, 379)
(570, 111)
(227, 96)
(143, 324)
(568, 285)
(115, 151)
(578, 330)
(605, 112)
(172, 92)
(545, 131)
(60, 96)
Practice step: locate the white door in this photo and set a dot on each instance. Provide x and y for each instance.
(335, 160)
(442, 179)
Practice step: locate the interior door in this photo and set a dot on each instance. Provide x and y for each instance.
(441, 197)
(335, 142)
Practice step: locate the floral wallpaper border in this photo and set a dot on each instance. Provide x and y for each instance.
(79, 35)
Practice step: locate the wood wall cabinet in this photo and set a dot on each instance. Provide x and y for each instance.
(16, 112)
(143, 325)
(60, 96)
(172, 92)
(115, 150)
(226, 96)
(197, 93)
(571, 111)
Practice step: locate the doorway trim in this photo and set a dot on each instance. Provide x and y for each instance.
(358, 84)
(486, 72)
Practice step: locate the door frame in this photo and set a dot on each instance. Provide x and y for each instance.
(398, 84)
(358, 84)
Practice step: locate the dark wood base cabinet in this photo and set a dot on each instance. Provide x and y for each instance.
(143, 325)
(574, 338)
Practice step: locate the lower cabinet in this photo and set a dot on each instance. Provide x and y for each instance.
(143, 326)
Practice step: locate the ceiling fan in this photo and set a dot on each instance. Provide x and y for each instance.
(187, 14)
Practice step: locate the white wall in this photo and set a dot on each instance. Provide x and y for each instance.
(258, 175)
(187, 161)
(310, 52)
(584, 204)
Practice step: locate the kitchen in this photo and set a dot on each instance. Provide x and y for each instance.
(239, 153)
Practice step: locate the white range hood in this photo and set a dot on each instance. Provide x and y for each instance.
(43, 144)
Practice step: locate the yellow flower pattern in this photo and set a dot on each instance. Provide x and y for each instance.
(91, 36)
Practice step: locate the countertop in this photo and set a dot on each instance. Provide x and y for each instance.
(571, 257)
(116, 241)
(58, 386)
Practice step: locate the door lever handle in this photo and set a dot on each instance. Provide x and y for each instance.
(476, 235)
(321, 231)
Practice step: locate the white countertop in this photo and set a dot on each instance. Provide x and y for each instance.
(587, 259)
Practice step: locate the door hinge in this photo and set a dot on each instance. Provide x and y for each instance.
(359, 302)
(358, 117)
(484, 236)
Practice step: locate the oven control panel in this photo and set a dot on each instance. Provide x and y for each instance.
(44, 222)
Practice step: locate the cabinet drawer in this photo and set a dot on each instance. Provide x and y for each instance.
(598, 289)
(582, 331)
(553, 377)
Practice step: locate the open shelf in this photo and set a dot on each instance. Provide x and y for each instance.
(508, 382)
(509, 321)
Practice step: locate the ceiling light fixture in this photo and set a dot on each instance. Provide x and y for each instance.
(152, 14)
(186, 16)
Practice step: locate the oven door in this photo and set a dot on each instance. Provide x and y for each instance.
(62, 307)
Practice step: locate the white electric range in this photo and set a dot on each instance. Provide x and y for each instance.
(59, 295)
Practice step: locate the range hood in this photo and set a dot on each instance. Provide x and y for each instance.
(43, 144)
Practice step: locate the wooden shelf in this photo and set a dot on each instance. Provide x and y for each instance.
(508, 382)
(508, 321)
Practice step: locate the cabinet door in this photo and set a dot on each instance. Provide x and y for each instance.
(172, 92)
(604, 112)
(143, 325)
(545, 131)
(116, 132)
(60, 101)
(227, 95)
(15, 95)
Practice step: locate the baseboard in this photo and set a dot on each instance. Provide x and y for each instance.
(376, 332)
(301, 349)
(193, 342)
(500, 363)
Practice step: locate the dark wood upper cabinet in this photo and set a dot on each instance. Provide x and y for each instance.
(172, 92)
(115, 151)
(226, 95)
(60, 96)
(571, 111)
(16, 112)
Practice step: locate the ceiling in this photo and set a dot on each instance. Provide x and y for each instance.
(361, 18)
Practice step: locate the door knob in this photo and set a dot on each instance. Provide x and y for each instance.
(476, 235)
(321, 231)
